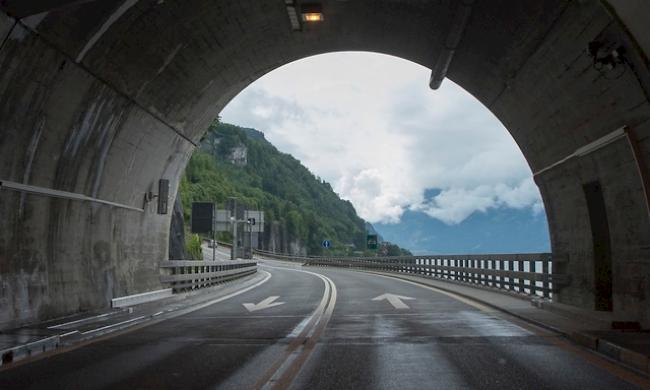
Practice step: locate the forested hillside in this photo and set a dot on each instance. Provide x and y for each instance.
(302, 208)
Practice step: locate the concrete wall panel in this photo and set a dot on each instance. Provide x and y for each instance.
(64, 129)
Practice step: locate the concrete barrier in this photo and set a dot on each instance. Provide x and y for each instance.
(136, 299)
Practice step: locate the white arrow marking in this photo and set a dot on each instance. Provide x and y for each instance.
(265, 304)
(395, 300)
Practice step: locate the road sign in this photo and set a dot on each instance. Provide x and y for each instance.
(222, 221)
(202, 215)
(372, 241)
(327, 244)
(257, 217)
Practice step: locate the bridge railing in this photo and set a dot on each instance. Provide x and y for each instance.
(192, 274)
(529, 273)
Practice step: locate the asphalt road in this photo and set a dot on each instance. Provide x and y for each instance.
(317, 328)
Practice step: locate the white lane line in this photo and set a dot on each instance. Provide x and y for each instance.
(305, 335)
(299, 328)
(112, 325)
(304, 323)
(87, 319)
(193, 308)
(217, 300)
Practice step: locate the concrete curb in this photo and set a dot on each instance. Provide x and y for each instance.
(631, 359)
(145, 297)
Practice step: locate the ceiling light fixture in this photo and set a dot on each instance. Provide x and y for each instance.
(312, 12)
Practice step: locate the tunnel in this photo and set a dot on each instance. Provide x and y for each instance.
(100, 100)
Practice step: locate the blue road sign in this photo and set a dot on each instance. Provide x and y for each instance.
(327, 243)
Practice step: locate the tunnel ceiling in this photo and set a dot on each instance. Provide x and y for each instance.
(183, 61)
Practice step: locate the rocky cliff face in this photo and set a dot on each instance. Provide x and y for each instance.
(238, 155)
(177, 233)
(276, 239)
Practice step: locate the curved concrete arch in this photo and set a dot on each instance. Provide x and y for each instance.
(104, 99)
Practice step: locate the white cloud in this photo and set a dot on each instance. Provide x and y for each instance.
(455, 204)
(369, 124)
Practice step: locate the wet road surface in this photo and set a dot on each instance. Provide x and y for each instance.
(317, 328)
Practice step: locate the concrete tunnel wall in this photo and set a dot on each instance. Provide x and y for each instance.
(103, 100)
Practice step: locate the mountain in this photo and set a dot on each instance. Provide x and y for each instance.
(301, 210)
(500, 230)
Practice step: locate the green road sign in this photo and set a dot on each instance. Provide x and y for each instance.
(372, 241)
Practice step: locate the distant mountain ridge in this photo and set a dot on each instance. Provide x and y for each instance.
(500, 230)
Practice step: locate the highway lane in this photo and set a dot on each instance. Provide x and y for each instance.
(318, 334)
(220, 344)
(438, 342)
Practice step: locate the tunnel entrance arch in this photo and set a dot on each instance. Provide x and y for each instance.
(362, 117)
(103, 100)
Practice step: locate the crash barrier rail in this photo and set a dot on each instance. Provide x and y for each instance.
(529, 273)
(193, 274)
(219, 243)
(284, 256)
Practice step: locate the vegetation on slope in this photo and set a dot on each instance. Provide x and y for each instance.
(306, 207)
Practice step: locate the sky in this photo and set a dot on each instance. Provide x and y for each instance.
(369, 125)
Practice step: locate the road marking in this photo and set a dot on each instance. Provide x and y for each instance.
(265, 304)
(169, 314)
(466, 301)
(590, 356)
(112, 325)
(395, 300)
(285, 369)
(87, 319)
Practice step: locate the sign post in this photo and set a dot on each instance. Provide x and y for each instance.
(255, 221)
(251, 223)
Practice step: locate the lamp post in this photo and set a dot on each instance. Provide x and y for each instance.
(233, 221)
(250, 230)
(233, 248)
(250, 235)
(214, 241)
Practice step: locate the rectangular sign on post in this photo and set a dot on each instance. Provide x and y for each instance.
(202, 217)
(255, 219)
(222, 221)
(372, 241)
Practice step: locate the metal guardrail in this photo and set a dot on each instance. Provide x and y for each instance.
(193, 274)
(529, 274)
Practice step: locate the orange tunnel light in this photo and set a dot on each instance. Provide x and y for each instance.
(312, 17)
